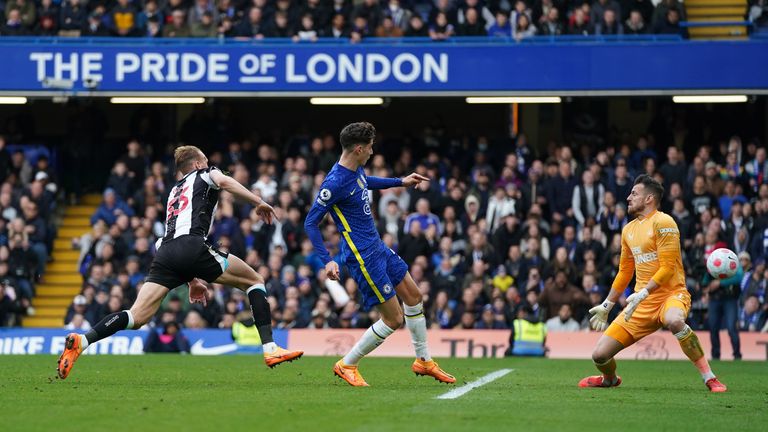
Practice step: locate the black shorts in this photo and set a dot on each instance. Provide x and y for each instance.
(180, 260)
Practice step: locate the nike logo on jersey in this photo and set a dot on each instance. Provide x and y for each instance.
(353, 191)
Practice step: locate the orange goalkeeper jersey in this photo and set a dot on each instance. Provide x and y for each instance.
(651, 248)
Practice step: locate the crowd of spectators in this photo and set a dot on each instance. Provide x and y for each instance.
(27, 209)
(500, 228)
(308, 20)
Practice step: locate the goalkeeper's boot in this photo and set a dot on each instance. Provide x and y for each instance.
(599, 381)
(431, 368)
(72, 350)
(350, 374)
(281, 355)
(716, 386)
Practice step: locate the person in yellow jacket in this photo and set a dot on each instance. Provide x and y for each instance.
(528, 335)
(244, 333)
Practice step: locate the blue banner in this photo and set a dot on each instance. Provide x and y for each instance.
(50, 341)
(405, 68)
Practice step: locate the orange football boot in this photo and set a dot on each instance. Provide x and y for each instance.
(281, 356)
(350, 374)
(72, 350)
(431, 368)
(715, 386)
(598, 381)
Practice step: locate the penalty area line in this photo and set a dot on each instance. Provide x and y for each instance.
(466, 388)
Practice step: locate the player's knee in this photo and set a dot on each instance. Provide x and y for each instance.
(676, 325)
(393, 324)
(599, 357)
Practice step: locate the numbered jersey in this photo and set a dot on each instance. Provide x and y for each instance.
(191, 205)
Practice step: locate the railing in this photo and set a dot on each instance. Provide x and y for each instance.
(459, 40)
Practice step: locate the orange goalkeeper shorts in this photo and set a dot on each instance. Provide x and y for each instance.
(648, 317)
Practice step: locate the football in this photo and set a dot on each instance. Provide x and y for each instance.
(722, 263)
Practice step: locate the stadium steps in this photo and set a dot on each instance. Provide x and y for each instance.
(714, 11)
(62, 280)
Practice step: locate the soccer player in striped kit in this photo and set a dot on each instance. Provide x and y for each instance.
(184, 254)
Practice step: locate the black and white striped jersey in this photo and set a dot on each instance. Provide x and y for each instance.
(191, 205)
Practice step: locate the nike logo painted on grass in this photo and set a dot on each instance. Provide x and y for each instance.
(198, 349)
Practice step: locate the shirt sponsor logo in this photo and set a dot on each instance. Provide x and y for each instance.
(642, 258)
(669, 231)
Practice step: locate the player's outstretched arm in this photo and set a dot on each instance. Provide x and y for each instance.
(386, 183)
(264, 210)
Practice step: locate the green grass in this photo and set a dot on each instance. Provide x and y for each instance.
(155, 392)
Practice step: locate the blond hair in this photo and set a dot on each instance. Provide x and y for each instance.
(185, 156)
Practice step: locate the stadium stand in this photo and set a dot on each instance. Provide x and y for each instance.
(310, 20)
(497, 230)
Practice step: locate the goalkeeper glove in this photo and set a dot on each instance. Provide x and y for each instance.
(633, 301)
(599, 320)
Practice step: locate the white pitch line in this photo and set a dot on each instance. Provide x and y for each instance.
(461, 391)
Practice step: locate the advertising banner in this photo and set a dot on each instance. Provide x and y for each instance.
(122, 66)
(661, 345)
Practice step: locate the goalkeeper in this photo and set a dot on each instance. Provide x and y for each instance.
(650, 247)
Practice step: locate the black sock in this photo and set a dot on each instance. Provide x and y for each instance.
(108, 326)
(262, 317)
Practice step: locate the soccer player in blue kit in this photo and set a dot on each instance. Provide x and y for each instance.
(379, 272)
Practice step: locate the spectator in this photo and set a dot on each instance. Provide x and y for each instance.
(27, 11)
(204, 27)
(723, 307)
(423, 216)
(490, 320)
(561, 292)
(111, 208)
(95, 26)
(670, 25)
(416, 27)
(306, 30)
(123, 18)
(171, 340)
(586, 199)
(550, 24)
(524, 28)
(563, 322)
(472, 26)
(528, 335)
(48, 15)
(751, 317)
(597, 13)
(371, 11)
(441, 29)
(501, 26)
(337, 28)
(196, 13)
(400, 16)
(359, 29)
(13, 25)
(388, 28)
(252, 26)
(579, 23)
(608, 24)
(177, 28)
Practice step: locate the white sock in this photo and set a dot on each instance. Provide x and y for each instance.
(417, 325)
(707, 376)
(372, 338)
(269, 347)
(83, 341)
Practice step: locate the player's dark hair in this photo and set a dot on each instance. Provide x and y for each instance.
(652, 186)
(184, 157)
(353, 134)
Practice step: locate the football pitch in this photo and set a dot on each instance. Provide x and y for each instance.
(171, 392)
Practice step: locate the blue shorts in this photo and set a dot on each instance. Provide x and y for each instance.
(377, 272)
